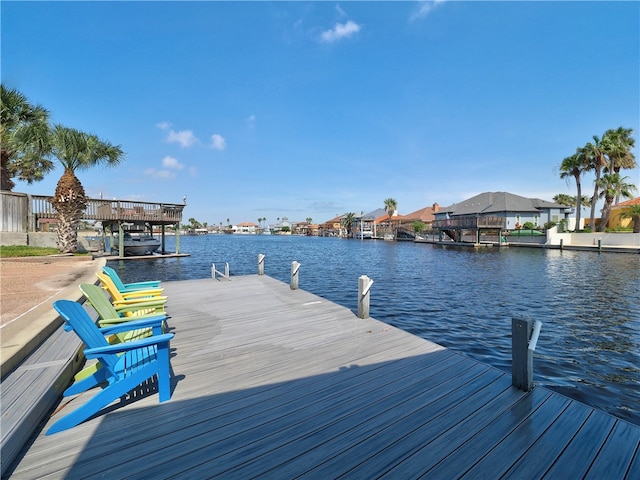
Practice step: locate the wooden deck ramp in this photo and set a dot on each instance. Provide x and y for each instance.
(271, 382)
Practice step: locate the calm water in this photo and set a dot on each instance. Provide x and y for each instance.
(589, 348)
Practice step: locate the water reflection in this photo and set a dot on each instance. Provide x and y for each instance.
(589, 348)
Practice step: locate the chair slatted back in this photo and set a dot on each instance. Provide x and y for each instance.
(96, 297)
(115, 278)
(111, 287)
(77, 317)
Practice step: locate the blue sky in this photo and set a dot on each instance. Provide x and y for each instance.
(312, 109)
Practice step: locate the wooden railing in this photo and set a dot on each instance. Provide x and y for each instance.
(20, 212)
(115, 210)
(470, 222)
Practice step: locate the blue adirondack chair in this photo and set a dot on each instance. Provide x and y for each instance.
(124, 365)
(129, 287)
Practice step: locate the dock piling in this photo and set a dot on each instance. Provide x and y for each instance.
(524, 338)
(261, 263)
(364, 287)
(295, 268)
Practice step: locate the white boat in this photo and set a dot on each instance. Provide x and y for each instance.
(138, 244)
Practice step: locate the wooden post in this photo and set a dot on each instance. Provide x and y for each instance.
(521, 355)
(261, 263)
(178, 237)
(120, 240)
(562, 244)
(295, 268)
(599, 245)
(364, 287)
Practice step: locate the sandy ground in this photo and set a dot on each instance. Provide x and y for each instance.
(29, 281)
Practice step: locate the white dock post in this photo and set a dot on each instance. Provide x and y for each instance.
(295, 268)
(524, 338)
(213, 271)
(364, 286)
(226, 270)
(261, 263)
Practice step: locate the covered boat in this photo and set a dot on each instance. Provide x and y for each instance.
(138, 244)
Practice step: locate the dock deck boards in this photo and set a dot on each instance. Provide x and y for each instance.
(271, 382)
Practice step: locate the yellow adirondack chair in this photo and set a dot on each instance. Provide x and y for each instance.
(150, 298)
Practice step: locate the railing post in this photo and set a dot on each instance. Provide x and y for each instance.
(226, 270)
(213, 271)
(295, 268)
(524, 338)
(261, 263)
(364, 287)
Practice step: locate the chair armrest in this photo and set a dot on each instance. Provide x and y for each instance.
(126, 346)
(105, 322)
(141, 302)
(132, 325)
(142, 285)
(142, 293)
(132, 308)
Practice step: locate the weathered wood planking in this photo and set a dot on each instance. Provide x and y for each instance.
(271, 382)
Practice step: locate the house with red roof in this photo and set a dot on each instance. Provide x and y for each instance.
(620, 216)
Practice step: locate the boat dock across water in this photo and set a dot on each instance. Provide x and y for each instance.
(272, 382)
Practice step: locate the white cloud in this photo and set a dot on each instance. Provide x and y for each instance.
(170, 162)
(218, 142)
(340, 31)
(163, 125)
(185, 138)
(159, 174)
(251, 121)
(425, 8)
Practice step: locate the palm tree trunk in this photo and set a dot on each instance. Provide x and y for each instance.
(578, 203)
(594, 200)
(606, 211)
(67, 233)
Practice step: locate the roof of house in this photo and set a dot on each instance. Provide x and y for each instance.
(337, 219)
(378, 212)
(425, 215)
(628, 203)
(497, 202)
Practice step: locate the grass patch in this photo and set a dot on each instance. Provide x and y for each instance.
(26, 251)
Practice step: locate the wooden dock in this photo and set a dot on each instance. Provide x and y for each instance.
(271, 382)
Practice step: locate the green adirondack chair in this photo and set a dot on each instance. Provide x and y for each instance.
(124, 365)
(111, 315)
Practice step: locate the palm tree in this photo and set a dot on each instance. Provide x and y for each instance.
(574, 166)
(618, 145)
(594, 156)
(76, 150)
(390, 206)
(347, 222)
(309, 220)
(612, 185)
(633, 213)
(24, 140)
(564, 199)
